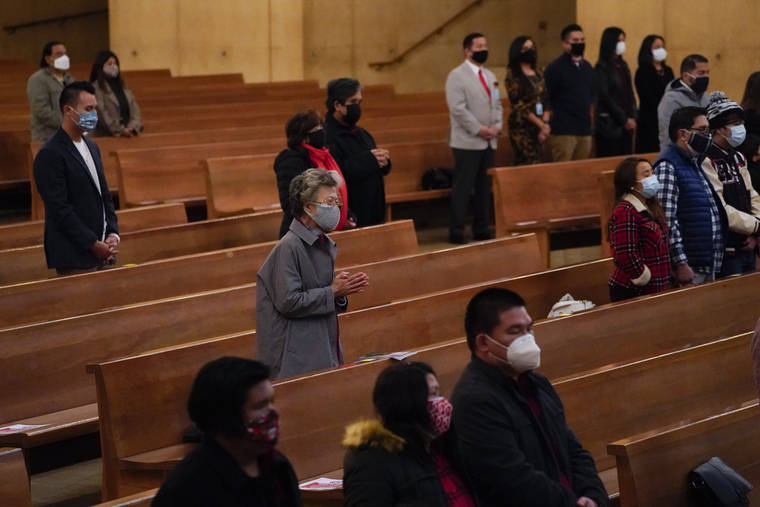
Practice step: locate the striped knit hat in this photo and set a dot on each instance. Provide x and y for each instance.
(721, 109)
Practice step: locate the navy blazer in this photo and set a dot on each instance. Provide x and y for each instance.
(73, 206)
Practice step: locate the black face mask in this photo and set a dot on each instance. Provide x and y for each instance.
(317, 139)
(700, 84)
(480, 56)
(530, 56)
(353, 113)
(577, 48)
(699, 142)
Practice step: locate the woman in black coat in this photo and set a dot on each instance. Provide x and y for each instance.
(616, 105)
(406, 459)
(306, 149)
(652, 76)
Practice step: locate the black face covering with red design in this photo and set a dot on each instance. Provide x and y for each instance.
(265, 430)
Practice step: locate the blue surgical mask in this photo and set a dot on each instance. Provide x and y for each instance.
(326, 216)
(738, 134)
(87, 120)
(650, 186)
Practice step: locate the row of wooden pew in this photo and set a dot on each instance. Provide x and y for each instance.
(579, 193)
(609, 395)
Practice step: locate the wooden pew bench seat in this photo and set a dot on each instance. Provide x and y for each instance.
(54, 427)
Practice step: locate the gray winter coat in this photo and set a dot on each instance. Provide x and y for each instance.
(677, 95)
(296, 309)
(43, 91)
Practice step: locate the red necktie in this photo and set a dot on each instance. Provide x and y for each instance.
(483, 81)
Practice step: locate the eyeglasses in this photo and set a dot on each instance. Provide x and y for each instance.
(701, 130)
(331, 201)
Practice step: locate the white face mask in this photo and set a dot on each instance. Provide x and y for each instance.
(111, 70)
(522, 354)
(738, 135)
(61, 63)
(620, 48)
(659, 54)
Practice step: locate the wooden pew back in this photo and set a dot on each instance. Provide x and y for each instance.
(30, 233)
(14, 480)
(27, 264)
(63, 297)
(653, 467)
(604, 406)
(606, 186)
(240, 184)
(568, 192)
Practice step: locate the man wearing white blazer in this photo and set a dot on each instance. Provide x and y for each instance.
(475, 113)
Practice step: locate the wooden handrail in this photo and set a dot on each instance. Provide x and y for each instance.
(12, 28)
(436, 31)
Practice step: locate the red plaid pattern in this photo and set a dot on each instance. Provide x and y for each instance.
(455, 490)
(638, 240)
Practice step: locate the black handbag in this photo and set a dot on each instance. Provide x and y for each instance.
(715, 484)
(438, 178)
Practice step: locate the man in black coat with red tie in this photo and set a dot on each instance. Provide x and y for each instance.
(81, 229)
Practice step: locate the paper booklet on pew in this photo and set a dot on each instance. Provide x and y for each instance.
(18, 428)
(322, 484)
(398, 356)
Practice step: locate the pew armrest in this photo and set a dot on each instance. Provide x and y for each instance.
(55, 426)
(165, 458)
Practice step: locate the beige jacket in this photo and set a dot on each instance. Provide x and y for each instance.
(109, 117)
(470, 107)
(43, 91)
(738, 221)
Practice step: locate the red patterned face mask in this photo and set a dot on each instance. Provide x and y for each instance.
(265, 430)
(440, 410)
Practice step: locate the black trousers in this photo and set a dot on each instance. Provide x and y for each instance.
(614, 147)
(470, 173)
(618, 293)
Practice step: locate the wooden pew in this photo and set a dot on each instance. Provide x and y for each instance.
(132, 462)
(58, 298)
(542, 197)
(241, 184)
(656, 392)
(433, 318)
(144, 498)
(63, 399)
(247, 183)
(606, 184)
(28, 263)
(653, 467)
(31, 233)
(14, 480)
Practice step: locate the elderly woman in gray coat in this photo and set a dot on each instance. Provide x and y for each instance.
(298, 294)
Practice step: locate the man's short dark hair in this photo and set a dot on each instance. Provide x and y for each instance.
(298, 126)
(400, 397)
(47, 50)
(484, 311)
(219, 392)
(72, 91)
(467, 42)
(683, 118)
(340, 89)
(565, 33)
(690, 62)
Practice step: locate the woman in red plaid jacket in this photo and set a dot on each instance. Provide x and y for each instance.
(637, 233)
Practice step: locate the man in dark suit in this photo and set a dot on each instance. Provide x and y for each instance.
(81, 232)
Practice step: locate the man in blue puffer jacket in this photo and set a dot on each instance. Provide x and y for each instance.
(696, 224)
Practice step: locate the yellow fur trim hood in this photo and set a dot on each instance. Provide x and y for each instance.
(372, 433)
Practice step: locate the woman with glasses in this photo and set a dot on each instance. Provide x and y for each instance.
(306, 149)
(298, 294)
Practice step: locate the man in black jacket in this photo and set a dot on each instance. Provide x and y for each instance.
(362, 163)
(81, 230)
(514, 442)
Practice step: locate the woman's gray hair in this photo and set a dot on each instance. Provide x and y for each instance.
(305, 187)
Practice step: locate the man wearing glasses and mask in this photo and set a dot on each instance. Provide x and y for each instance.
(696, 221)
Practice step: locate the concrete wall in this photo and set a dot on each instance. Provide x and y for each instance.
(83, 37)
(260, 38)
(725, 32)
(341, 37)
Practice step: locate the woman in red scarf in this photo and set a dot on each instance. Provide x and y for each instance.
(306, 149)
